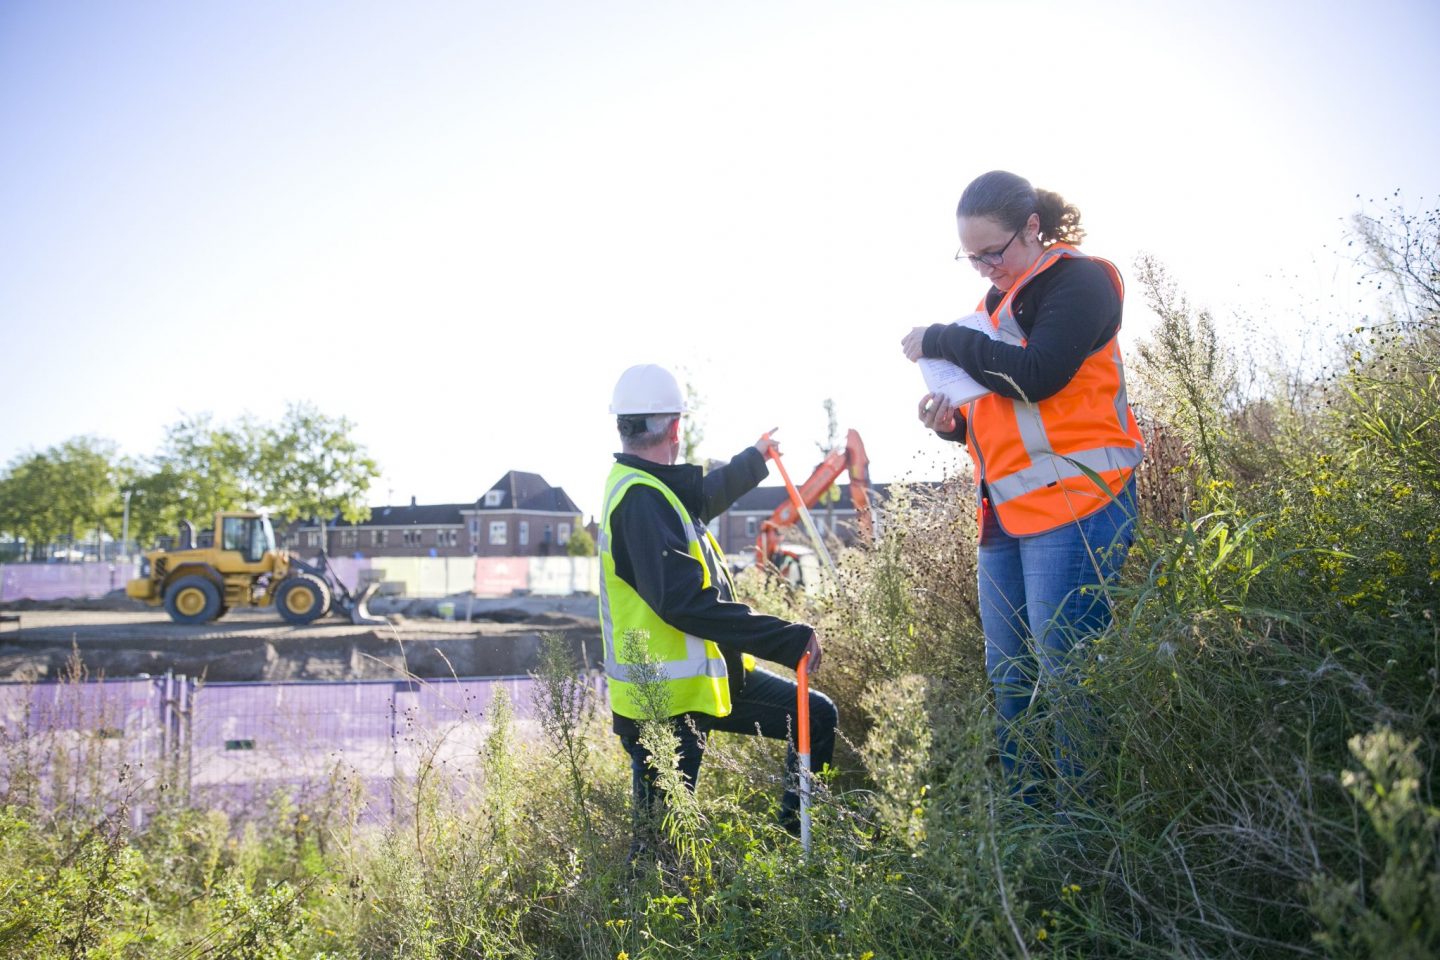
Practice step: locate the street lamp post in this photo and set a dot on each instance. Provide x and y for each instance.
(125, 527)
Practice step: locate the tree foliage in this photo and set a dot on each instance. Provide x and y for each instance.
(307, 464)
(316, 468)
(65, 491)
(581, 544)
(206, 466)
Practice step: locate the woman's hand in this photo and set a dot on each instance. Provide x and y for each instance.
(937, 413)
(912, 344)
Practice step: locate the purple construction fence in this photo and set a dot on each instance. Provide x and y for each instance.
(86, 745)
(402, 576)
(63, 581)
(235, 746)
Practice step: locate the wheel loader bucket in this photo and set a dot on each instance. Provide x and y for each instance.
(360, 614)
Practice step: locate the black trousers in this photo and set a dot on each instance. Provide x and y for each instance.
(765, 706)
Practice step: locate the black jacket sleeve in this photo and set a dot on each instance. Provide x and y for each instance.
(651, 554)
(1076, 312)
(725, 485)
(958, 434)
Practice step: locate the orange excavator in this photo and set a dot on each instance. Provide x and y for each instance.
(850, 457)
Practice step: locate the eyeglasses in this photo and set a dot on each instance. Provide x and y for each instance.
(978, 260)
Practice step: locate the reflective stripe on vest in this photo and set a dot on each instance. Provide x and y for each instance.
(1035, 483)
(681, 659)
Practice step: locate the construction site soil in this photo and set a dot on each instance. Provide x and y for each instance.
(116, 637)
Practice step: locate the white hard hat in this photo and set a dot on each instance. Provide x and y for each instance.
(646, 388)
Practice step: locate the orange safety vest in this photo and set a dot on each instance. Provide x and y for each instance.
(1034, 457)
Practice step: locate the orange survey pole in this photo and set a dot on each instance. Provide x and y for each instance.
(804, 513)
(802, 738)
(802, 669)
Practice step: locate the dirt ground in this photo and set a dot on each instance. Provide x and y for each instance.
(116, 638)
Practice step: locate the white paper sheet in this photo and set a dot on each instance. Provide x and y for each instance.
(949, 380)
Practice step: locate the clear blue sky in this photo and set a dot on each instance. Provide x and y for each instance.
(455, 223)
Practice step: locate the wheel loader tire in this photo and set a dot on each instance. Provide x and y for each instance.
(192, 599)
(302, 599)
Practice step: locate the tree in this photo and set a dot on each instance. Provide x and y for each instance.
(316, 468)
(67, 490)
(87, 497)
(157, 502)
(306, 465)
(581, 544)
(26, 512)
(204, 467)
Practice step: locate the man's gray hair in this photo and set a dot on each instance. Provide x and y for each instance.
(640, 432)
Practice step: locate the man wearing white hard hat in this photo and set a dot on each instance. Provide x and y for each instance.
(664, 574)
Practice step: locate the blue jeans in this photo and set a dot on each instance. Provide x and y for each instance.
(1040, 596)
(765, 705)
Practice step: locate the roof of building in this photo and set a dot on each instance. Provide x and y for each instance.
(428, 514)
(526, 491)
(520, 491)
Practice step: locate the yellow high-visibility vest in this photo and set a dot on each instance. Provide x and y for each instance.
(691, 669)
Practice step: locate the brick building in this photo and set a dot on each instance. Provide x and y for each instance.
(519, 516)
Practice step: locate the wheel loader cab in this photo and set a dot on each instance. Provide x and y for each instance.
(251, 537)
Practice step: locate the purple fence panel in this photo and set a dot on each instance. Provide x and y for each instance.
(350, 570)
(62, 581)
(89, 744)
(251, 740)
(443, 725)
(234, 746)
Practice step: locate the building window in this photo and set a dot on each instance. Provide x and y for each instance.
(413, 538)
(474, 528)
(524, 535)
(312, 539)
(752, 526)
(494, 498)
(446, 538)
(563, 534)
(499, 532)
(347, 538)
(379, 536)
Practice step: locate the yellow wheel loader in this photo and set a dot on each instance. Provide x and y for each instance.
(236, 564)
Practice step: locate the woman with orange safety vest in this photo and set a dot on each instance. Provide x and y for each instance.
(1054, 443)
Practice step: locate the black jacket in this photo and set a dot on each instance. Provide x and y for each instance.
(1066, 312)
(652, 555)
